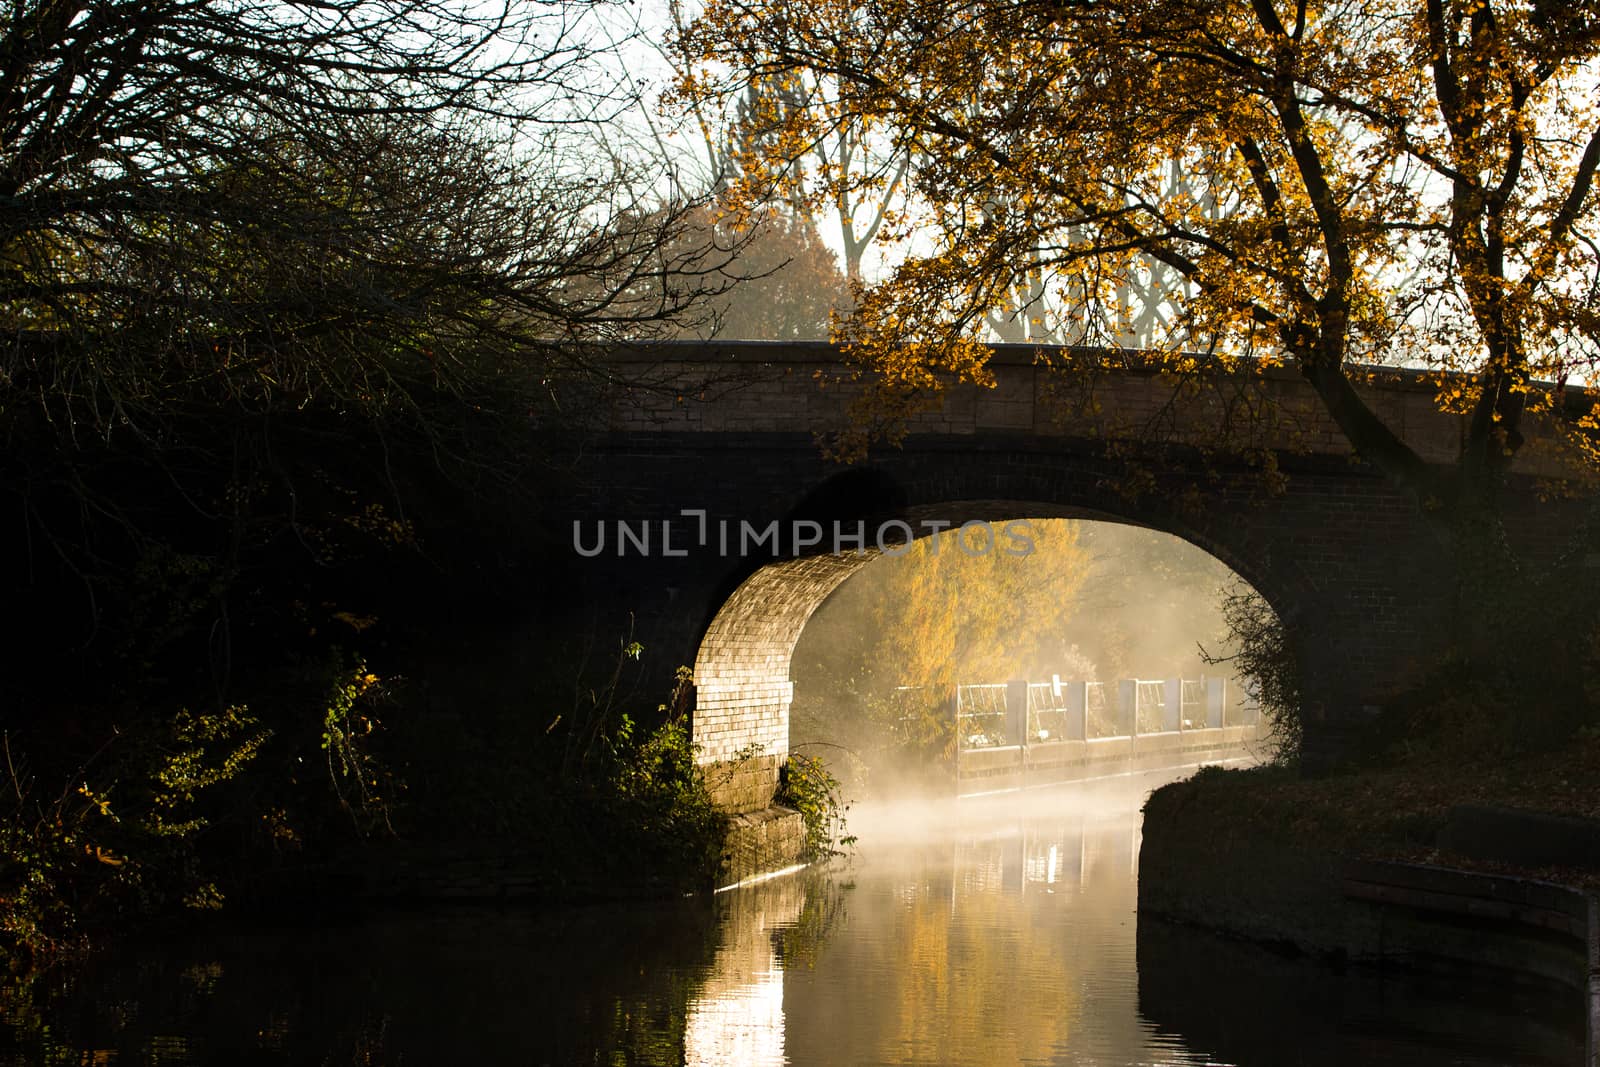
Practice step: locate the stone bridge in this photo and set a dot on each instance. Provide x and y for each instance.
(678, 494)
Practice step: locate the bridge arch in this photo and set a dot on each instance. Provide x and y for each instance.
(1359, 575)
(742, 676)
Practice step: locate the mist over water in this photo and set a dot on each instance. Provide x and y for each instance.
(1003, 930)
(1095, 602)
(896, 820)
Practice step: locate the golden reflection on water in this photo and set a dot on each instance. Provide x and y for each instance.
(970, 944)
(736, 1018)
(982, 936)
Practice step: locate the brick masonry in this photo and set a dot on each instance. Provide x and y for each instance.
(1344, 557)
(746, 785)
(782, 387)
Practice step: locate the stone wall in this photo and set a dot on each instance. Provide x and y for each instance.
(761, 842)
(1206, 867)
(744, 785)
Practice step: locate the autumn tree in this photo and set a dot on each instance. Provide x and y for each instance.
(1132, 310)
(967, 605)
(983, 605)
(1406, 183)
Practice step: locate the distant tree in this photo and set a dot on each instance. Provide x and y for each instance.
(849, 184)
(781, 282)
(949, 611)
(938, 616)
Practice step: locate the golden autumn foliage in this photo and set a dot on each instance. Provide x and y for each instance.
(1094, 601)
(947, 612)
(1399, 182)
(893, 642)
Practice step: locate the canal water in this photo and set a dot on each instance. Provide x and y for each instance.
(971, 934)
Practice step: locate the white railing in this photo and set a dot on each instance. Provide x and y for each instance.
(1062, 710)
(1192, 704)
(1100, 712)
(1150, 706)
(981, 716)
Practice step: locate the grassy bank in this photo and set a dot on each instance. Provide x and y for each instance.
(1261, 852)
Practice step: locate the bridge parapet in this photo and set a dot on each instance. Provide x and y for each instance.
(806, 388)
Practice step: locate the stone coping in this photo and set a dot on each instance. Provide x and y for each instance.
(1002, 354)
(1542, 908)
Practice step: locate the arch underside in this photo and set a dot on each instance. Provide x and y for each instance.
(743, 689)
(741, 672)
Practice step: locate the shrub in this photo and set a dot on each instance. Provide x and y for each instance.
(121, 836)
(1263, 656)
(805, 784)
(659, 797)
(363, 785)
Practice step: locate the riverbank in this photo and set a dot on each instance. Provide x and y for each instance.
(507, 871)
(1411, 813)
(1489, 867)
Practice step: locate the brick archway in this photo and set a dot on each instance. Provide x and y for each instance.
(1354, 567)
(741, 674)
(743, 688)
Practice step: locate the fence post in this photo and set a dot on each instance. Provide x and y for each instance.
(1172, 704)
(1017, 711)
(1128, 706)
(1077, 703)
(1216, 700)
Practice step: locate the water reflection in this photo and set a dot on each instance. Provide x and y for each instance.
(966, 936)
(983, 941)
(736, 1016)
